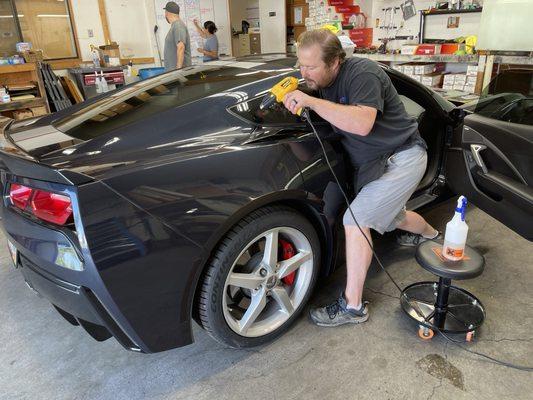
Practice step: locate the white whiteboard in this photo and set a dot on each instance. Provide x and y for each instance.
(134, 12)
(203, 10)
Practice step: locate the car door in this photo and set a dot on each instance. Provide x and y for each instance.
(491, 160)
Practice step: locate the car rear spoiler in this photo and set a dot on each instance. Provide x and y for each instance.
(17, 162)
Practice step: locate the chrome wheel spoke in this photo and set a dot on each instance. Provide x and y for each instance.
(286, 267)
(257, 305)
(270, 256)
(281, 296)
(247, 281)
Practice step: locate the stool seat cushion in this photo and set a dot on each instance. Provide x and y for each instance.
(428, 255)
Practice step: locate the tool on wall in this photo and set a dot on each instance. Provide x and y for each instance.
(408, 9)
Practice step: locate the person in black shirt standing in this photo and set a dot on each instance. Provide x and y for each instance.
(358, 99)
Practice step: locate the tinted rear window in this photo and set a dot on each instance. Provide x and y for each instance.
(153, 96)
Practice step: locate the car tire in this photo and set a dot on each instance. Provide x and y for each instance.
(217, 309)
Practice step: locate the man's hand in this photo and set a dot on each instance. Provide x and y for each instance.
(293, 101)
(200, 50)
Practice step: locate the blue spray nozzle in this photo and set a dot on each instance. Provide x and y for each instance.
(461, 206)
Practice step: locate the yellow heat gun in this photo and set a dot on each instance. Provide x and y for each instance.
(278, 92)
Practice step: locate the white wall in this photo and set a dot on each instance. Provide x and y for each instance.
(87, 17)
(131, 24)
(514, 19)
(273, 29)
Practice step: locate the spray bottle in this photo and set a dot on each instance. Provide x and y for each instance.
(456, 231)
(95, 57)
(97, 83)
(103, 83)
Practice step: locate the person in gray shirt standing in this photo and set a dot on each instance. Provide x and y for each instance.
(177, 51)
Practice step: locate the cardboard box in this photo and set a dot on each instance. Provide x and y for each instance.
(460, 78)
(458, 86)
(451, 48)
(38, 111)
(428, 49)
(428, 68)
(109, 55)
(340, 2)
(351, 9)
(447, 87)
(471, 70)
(409, 49)
(434, 79)
(32, 55)
(471, 80)
(398, 67)
(423, 69)
(469, 88)
(449, 79)
(415, 77)
(362, 37)
(22, 114)
(409, 69)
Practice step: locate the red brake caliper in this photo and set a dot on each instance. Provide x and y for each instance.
(287, 251)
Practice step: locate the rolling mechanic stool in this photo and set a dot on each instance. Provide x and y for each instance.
(441, 306)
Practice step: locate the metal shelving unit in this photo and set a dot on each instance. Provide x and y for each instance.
(420, 58)
(424, 14)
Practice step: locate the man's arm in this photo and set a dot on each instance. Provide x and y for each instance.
(355, 119)
(180, 49)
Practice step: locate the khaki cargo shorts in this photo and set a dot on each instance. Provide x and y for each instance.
(380, 204)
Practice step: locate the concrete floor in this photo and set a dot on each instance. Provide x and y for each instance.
(43, 357)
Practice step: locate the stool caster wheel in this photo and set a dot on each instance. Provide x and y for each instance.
(425, 333)
(470, 336)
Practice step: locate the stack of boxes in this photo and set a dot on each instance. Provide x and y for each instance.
(429, 74)
(463, 82)
(340, 13)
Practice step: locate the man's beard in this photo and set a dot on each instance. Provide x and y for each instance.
(326, 81)
(312, 85)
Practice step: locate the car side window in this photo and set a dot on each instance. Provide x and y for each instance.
(277, 115)
(508, 97)
(519, 112)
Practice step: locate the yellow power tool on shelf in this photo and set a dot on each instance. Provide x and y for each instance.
(278, 92)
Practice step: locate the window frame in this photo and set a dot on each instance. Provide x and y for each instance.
(68, 4)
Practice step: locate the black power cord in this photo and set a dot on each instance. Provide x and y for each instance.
(306, 115)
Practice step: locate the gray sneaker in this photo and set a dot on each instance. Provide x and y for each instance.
(412, 239)
(337, 314)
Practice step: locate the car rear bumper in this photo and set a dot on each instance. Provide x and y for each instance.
(77, 304)
(68, 291)
(133, 278)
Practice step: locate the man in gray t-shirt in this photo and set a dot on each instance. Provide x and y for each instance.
(177, 53)
(388, 155)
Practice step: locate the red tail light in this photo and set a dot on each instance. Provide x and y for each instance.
(51, 207)
(48, 206)
(20, 195)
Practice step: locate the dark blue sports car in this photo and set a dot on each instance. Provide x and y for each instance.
(177, 198)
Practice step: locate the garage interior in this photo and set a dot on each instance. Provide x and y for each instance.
(57, 54)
